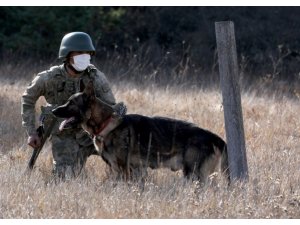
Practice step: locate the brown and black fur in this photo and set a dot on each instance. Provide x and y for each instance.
(131, 144)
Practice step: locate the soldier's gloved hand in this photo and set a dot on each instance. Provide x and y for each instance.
(120, 109)
(34, 141)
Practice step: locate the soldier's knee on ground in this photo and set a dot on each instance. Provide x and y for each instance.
(66, 171)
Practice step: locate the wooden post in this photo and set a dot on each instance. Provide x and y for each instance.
(229, 78)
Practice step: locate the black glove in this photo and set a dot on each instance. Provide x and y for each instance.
(120, 109)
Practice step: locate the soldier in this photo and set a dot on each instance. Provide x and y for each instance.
(70, 148)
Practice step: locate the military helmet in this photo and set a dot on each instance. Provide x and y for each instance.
(75, 41)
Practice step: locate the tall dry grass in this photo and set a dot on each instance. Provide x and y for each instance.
(272, 129)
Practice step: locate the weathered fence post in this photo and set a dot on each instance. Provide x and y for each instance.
(229, 78)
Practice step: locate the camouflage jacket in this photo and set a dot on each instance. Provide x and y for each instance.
(57, 86)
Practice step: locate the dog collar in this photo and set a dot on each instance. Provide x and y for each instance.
(103, 126)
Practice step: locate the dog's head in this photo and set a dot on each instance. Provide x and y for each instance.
(83, 108)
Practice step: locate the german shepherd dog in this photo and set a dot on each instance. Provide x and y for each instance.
(131, 143)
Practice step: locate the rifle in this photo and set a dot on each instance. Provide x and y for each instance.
(43, 133)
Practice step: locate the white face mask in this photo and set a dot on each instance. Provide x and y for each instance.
(81, 61)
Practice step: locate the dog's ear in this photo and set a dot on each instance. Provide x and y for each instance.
(82, 86)
(89, 89)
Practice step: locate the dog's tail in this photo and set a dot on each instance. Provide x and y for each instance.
(225, 164)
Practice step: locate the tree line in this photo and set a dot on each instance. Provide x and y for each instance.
(179, 38)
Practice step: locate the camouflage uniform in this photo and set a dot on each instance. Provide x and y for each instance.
(70, 148)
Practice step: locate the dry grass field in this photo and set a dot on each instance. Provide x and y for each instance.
(272, 130)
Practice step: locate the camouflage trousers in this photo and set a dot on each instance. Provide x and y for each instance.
(70, 151)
